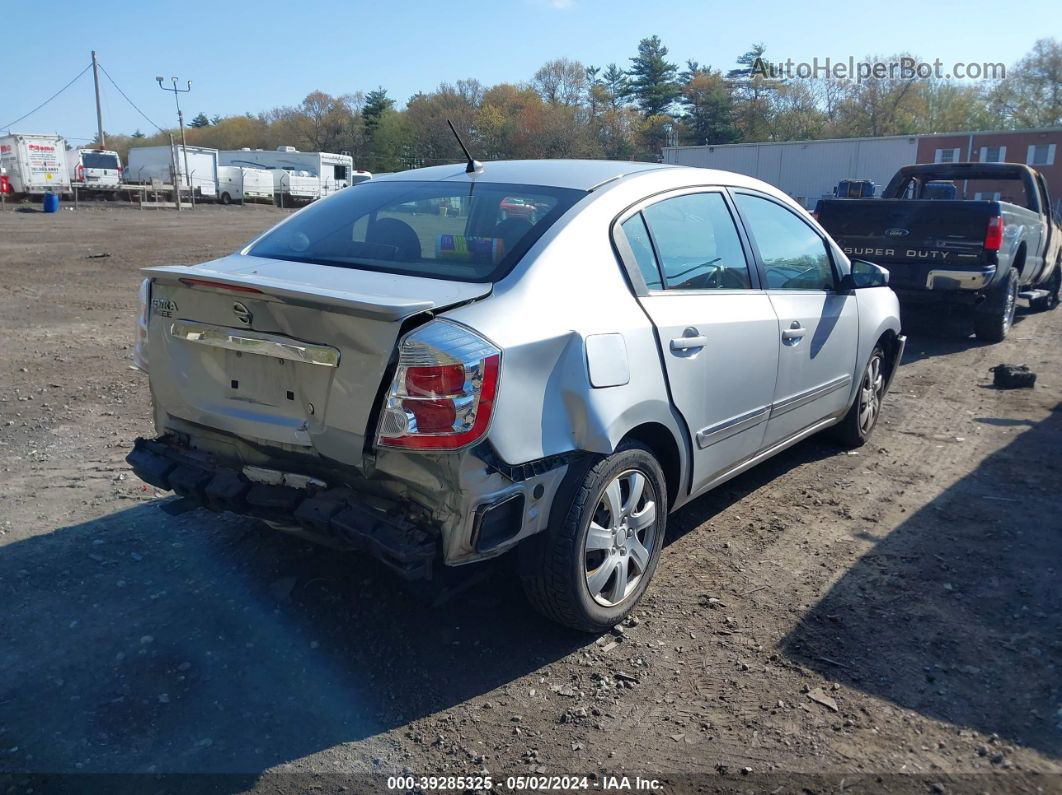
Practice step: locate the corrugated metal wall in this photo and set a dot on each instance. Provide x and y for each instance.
(806, 170)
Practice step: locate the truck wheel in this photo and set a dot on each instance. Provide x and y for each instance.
(993, 322)
(592, 565)
(855, 429)
(1049, 301)
(226, 199)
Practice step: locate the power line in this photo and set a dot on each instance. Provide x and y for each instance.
(53, 96)
(149, 121)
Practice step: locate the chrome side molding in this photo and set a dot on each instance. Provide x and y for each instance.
(255, 343)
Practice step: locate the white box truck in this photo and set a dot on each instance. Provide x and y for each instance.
(34, 164)
(331, 171)
(94, 169)
(241, 183)
(156, 162)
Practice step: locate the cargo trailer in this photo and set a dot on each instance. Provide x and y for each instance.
(240, 183)
(156, 162)
(332, 171)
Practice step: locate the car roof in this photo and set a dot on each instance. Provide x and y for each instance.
(578, 174)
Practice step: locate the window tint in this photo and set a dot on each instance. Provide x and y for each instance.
(794, 256)
(441, 230)
(638, 238)
(697, 242)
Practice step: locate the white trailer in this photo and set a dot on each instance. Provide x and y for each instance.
(806, 170)
(332, 171)
(34, 164)
(241, 183)
(94, 169)
(156, 162)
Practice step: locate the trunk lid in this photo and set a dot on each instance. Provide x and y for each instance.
(283, 353)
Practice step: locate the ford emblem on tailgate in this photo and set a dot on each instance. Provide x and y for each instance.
(243, 314)
(897, 232)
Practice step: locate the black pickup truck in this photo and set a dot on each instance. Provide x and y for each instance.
(974, 236)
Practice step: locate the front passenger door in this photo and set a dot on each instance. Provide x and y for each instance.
(818, 327)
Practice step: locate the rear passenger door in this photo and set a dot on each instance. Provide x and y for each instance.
(818, 327)
(716, 329)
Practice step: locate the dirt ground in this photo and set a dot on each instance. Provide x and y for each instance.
(851, 617)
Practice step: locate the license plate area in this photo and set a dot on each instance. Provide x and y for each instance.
(262, 381)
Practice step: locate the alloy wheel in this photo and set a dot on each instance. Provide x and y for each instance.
(870, 394)
(620, 539)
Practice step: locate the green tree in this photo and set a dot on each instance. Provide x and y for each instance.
(709, 109)
(137, 133)
(1035, 85)
(653, 79)
(199, 121)
(376, 102)
(617, 85)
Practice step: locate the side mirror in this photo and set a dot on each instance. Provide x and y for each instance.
(864, 274)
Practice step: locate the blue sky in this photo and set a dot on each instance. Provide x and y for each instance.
(251, 56)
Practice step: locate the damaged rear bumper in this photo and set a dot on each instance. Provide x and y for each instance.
(340, 517)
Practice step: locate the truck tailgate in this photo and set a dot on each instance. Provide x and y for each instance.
(283, 353)
(907, 235)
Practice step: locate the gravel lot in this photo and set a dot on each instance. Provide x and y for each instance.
(852, 616)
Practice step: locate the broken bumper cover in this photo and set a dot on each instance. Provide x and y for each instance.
(338, 516)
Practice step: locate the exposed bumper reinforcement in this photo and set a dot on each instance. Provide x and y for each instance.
(339, 515)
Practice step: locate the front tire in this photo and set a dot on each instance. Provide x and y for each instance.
(855, 429)
(592, 565)
(993, 323)
(226, 199)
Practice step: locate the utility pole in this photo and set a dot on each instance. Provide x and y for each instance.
(99, 112)
(180, 120)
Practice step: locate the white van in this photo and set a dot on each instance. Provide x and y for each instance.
(94, 168)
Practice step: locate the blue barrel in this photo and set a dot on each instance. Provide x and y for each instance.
(51, 202)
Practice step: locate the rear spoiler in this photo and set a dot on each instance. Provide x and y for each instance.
(383, 307)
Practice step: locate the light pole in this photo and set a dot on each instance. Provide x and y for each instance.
(180, 120)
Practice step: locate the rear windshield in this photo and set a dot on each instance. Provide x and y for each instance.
(99, 160)
(457, 231)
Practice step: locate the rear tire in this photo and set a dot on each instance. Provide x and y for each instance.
(855, 429)
(993, 322)
(1049, 301)
(588, 570)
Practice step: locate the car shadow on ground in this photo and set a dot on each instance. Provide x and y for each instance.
(957, 612)
(201, 643)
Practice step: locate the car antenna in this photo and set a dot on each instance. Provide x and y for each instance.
(474, 166)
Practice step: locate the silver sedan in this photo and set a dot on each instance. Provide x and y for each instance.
(441, 365)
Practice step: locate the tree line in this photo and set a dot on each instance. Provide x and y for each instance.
(569, 109)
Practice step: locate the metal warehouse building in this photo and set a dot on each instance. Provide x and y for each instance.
(809, 170)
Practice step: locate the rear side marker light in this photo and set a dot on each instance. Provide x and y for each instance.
(444, 389)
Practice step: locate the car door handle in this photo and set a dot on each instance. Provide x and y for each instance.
(684, 344)
(794, 332)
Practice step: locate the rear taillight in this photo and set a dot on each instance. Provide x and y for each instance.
(994, 233)
(140, 353)
(80, 171)
(443, 392)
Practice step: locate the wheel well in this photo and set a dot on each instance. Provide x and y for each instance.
(1019, 258)
(888, 342)
(660, 440)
